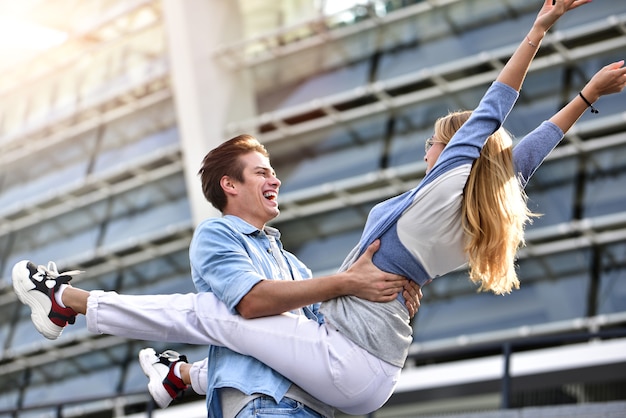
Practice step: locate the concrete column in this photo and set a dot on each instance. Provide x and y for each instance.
(207, 94)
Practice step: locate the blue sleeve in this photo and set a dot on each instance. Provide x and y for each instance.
(530, 152)
(222, 263)
(487, 118)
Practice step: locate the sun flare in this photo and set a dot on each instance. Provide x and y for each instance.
(16, 34)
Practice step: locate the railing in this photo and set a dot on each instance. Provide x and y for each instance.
(81, 406)
(509, 347)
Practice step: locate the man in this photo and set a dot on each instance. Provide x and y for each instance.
(240, 260)
(232, 256)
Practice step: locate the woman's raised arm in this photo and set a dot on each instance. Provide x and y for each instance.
(610, 79)
(515, 70)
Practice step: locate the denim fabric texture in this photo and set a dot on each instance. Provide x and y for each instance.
(267, 407)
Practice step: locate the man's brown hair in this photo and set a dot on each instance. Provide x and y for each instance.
(224, 161)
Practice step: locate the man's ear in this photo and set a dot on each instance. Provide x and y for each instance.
(228, 185)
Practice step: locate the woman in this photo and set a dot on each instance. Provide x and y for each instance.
(353, 360)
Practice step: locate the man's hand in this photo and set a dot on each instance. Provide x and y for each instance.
(370, 283)
(412, 296)
(363, 279)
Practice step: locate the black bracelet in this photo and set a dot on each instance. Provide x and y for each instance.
(593, 109)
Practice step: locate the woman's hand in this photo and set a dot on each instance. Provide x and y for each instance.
(550, 12)
(610, 79)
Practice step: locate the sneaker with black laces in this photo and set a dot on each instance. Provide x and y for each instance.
(36, 286)
(164, 385)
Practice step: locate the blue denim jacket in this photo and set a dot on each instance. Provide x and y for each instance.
(228, 257)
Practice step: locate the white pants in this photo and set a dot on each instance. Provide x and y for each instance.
(198, 374)
(315, 357)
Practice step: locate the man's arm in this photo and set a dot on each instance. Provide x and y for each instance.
(363, 279)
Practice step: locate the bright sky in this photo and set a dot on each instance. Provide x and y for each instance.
(20, 39)
(17, 34)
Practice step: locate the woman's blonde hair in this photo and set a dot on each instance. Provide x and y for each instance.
(494, 209)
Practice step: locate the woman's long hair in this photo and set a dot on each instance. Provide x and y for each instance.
(494, 209)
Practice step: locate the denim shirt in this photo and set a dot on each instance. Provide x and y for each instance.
(228, 257)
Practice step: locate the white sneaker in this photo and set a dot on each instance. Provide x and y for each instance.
(35, 286)
(164, 385)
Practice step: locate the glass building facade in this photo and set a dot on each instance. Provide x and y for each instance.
(96, 175)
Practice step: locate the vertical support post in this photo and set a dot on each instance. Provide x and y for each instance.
(506, 377)
(208, 94)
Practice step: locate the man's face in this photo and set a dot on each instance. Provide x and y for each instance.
(255, 200)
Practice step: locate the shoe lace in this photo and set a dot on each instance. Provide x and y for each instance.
(172, 356)
(52, 271)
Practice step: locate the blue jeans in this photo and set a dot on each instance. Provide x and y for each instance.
(266, 407)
